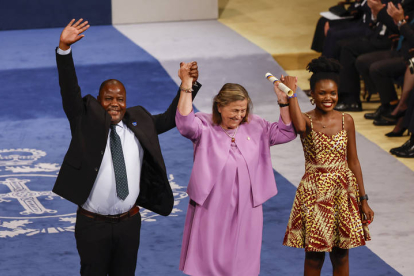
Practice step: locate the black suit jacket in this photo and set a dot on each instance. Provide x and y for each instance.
(89, 125)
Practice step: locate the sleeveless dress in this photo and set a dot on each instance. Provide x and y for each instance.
(325, 212)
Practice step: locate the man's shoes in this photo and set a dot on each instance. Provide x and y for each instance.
(387, 116)
(406, 153)
(377, 114)
(405, 146)
(381, 110)
(348, 107)
(382, 122)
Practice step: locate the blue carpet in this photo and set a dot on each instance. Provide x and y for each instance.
(33, 124)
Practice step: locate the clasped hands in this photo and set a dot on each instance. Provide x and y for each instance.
(289, 81)
(188, 73)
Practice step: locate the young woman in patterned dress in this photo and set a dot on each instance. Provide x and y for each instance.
(330, 199)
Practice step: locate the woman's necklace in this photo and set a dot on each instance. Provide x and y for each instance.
(233, 139)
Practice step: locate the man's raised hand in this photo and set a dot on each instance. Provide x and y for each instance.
(72, 33)
(194, 71)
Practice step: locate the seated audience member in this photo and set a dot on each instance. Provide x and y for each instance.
(335, 33)
(329, 32)
(407, 149)
(380, 69)
(398, 114)
(350, 85)
(349, 89)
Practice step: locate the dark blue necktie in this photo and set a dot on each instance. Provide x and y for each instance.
(119, 164)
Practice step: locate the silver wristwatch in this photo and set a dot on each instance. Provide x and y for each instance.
(400, 23)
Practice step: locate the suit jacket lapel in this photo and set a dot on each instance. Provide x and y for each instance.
(133, 124)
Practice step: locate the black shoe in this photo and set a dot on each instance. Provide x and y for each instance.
(397, 133)
(387, 116)
(382, 122)
(348, 107)
(377, 114)
(406, 153)
(405, 146)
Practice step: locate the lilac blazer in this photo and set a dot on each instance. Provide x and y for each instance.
(212, 148)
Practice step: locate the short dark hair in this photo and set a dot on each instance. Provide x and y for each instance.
(110, 81)
(230, 92)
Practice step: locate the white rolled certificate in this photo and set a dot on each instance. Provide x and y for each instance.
(281, 86)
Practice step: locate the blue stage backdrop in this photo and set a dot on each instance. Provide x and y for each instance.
(36, 226)
(28, 14)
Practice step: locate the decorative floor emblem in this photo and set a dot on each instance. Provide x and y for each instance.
(26, 211)
(27, 198)
(11, 157)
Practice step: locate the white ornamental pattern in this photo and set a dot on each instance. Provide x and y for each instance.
(17, 188)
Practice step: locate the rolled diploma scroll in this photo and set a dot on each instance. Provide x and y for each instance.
(281, 86)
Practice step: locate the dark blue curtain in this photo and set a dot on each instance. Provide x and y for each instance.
(29, 14)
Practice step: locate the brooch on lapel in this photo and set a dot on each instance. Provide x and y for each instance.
(134, 123)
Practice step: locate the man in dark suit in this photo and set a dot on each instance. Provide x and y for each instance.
(113, 164)
(349, 89)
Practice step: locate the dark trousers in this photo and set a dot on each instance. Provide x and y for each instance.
(349, 88)
(408, 121)
(352, 29)
(107, 248)
(379, 70)
(319, 35)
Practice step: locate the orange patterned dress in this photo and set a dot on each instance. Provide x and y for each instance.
(325, 212)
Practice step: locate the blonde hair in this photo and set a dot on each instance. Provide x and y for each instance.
(230, 92)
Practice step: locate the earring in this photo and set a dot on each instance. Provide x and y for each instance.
(312, 101)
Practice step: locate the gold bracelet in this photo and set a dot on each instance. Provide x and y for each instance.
(186, 90)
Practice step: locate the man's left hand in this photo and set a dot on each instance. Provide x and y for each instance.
(194, 71)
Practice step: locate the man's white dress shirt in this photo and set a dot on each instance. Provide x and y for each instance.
(103, 198)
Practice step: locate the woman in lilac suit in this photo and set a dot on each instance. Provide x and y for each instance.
(231, 178)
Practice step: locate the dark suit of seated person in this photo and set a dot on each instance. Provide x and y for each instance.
(327, 29)
(380, 69)
(349, 89)
(113, 164)
(360, 26)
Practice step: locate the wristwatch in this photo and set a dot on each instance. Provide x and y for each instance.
(361, 198)
(402, 21)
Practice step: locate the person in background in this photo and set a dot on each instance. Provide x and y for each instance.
(378, 40)
(381, 69)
